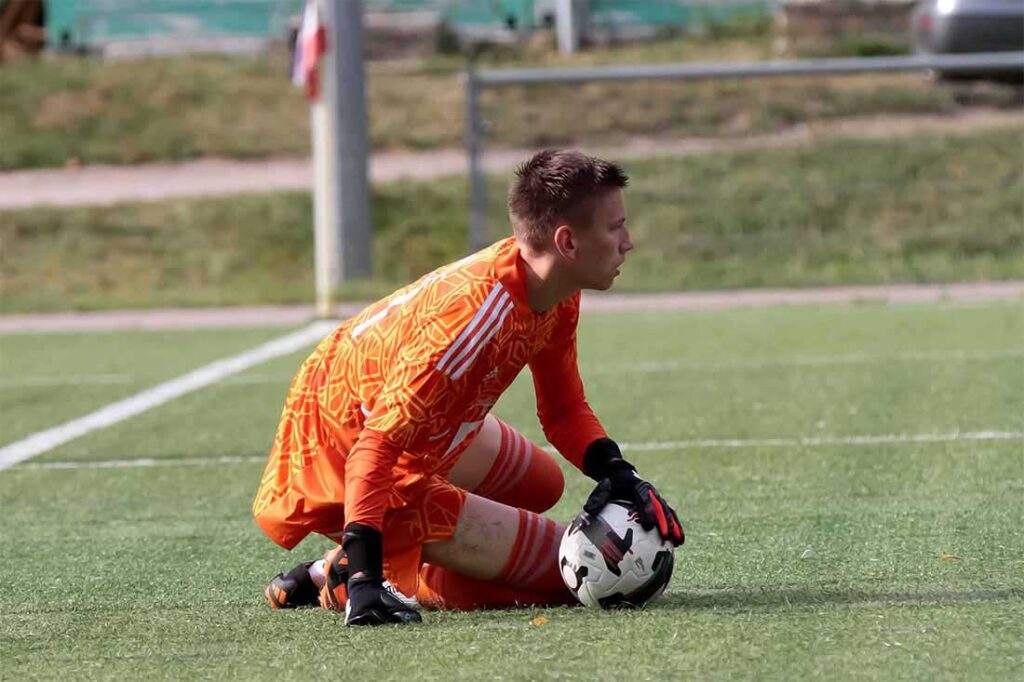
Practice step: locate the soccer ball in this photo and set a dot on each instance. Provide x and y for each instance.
(611, 561)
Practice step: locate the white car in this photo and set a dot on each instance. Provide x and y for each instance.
(964, 26)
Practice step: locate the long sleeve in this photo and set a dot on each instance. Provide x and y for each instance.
(420, 408)
(568, 422)
(368, 478)
(415, 402)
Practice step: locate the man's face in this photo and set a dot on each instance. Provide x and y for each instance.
(603, 246)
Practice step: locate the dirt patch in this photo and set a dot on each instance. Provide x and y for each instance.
(67, 108)
(103, 185)
(289, 316)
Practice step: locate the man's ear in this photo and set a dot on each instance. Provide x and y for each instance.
(565, 241)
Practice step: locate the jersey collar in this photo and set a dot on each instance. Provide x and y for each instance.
(508, 266)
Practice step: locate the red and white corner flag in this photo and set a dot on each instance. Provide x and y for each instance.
(310, 43)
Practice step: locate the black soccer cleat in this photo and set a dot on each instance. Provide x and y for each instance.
(293, 589)
(374, 601)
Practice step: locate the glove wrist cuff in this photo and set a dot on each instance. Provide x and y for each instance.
(602, 458)
(364, 547)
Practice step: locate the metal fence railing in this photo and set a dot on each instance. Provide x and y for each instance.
(478, 80)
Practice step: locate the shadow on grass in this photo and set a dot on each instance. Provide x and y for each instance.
(768, 599)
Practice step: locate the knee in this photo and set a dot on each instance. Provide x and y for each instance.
(545, 482)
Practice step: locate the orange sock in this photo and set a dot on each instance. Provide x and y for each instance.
(530, 576)
(443, 589)
(523, 475)
(533, 563)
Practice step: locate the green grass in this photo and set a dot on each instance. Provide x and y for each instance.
(931, 208)
(605, 113)
(843, 561)
(88, 372)
(63, 110)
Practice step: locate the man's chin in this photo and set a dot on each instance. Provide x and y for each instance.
(602, 284)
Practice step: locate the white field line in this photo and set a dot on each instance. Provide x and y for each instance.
(43, 441)
(654, 367)
(811, 361)
(703, 444)
(48, 380)
(819, 441)
(658, 367)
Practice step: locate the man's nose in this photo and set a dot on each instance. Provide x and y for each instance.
(627, 245)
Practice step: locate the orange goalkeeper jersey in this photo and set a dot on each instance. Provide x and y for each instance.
(394, 395)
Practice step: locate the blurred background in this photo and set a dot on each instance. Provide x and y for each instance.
(155, 152)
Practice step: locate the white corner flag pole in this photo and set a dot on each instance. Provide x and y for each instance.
(341, 191)
(325, 173)
(325, 254)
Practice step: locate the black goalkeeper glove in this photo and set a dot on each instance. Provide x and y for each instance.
(617, 480)
(369, 601)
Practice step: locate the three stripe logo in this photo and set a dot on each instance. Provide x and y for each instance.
(485, 324)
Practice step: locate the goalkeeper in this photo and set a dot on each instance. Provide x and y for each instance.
(386, 444)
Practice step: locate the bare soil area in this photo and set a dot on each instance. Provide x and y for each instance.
(104, 185)
(287, 316)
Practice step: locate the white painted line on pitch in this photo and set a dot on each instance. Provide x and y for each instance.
(144, 463)
(51, 380)
(158, 395)
(765, 363)
(652, 367)
(889, 439)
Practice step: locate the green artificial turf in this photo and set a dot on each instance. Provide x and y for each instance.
(46, 379)
(845, 560)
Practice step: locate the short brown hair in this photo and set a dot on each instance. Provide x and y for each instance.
(555, 185)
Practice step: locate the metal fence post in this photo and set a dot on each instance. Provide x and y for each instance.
(477, 183)
(568, 18)
(348, 102)
(476, 81)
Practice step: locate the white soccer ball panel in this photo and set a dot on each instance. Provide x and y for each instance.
(612, 561)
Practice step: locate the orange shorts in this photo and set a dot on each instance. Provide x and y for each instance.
(304, 492)
(429, 513)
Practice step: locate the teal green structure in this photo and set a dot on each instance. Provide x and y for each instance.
(86, 24)
(677, 13)
(527, 15)
(91, 24)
